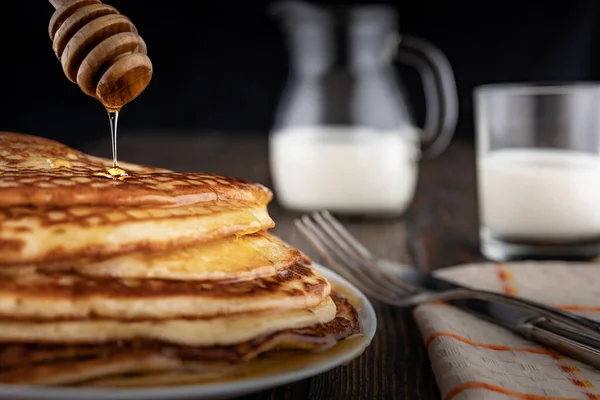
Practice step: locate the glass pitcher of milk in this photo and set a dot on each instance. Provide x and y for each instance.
(344, 138)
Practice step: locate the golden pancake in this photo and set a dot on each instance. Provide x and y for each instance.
(33, 235)
(41, 172)
(75, 371)
(246, 257)
(217, 331)
(27, 293)
(269, 364)
(71, 363)
(153, 277)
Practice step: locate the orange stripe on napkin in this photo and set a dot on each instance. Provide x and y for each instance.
(509, 287)
(497, 347)
(507, 280)
(573, 373)
(571, 307)
(493, 388)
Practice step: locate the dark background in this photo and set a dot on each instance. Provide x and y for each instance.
(220, 66)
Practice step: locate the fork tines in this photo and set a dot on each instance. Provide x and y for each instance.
(348, 257)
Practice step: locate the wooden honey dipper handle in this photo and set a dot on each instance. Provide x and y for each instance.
(100, 50)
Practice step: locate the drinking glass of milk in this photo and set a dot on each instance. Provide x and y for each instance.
(538, 170)
(344, 138)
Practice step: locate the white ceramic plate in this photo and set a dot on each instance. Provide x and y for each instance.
(221, 390)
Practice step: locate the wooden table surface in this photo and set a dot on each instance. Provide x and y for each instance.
(439, 230)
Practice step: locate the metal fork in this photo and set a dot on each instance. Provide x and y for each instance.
(348, 257)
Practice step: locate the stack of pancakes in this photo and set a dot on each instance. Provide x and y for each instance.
(117, 280)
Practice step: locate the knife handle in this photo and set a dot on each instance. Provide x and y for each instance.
(562, 339)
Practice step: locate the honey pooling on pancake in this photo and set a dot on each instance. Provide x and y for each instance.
(59, 163)
(117, 172)
(114, 173)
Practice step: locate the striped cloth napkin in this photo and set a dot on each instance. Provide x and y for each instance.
(474, 359)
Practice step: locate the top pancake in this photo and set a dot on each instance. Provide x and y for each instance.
(41, 172)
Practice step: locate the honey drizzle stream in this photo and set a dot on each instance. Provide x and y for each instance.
(113, 116)
(115, 172)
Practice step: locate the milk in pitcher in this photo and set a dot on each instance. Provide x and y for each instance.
(342, 169)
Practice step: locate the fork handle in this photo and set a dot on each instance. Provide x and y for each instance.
(568, 342)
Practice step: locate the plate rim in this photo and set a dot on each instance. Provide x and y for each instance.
(367, 318)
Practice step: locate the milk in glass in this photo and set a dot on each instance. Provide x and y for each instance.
(536, 194)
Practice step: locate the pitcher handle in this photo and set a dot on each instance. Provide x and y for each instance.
(441, 100)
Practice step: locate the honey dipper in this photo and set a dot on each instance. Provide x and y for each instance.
(100, 50)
